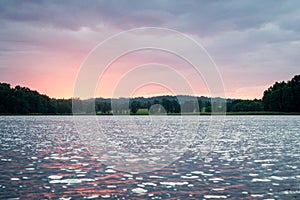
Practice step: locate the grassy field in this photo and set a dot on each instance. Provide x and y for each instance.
(143, 111)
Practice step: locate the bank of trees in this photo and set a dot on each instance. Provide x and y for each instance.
(245, 106)
(280, 97)
(283, 96)
(22, 100)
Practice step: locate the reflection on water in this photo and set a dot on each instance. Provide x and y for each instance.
(255, 158)
(144, 143)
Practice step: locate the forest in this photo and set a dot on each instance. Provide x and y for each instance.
(283, 96)
(280, 97)
(22, 100)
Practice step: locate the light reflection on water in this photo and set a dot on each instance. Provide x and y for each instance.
(256, 157)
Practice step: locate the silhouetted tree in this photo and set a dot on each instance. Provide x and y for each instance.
(134, 106)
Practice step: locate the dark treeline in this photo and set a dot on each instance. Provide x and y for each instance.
(171, 104)
(168, 104)
(245, 106)
(22, 100)
(281, 97)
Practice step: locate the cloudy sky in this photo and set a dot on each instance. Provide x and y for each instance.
(253, 43)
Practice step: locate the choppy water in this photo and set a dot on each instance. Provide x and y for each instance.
(255, 157)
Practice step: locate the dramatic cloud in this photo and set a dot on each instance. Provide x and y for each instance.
(254, 43)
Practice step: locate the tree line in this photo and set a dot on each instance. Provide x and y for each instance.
(280, 97)
(283, 96)
(22, 100)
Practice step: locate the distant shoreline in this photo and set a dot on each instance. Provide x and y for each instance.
(280, 99)
(169, 114)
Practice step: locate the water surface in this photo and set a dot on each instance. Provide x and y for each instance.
(255, 157)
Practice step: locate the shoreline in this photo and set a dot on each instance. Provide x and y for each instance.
(169, 114)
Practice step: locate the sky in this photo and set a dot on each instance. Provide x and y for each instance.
(44, 44)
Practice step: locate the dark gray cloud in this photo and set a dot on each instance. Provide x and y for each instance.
(201, 17)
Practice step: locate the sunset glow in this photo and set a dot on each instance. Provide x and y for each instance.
(46, 48)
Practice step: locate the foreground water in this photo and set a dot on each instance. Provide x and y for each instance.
(254, 157)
